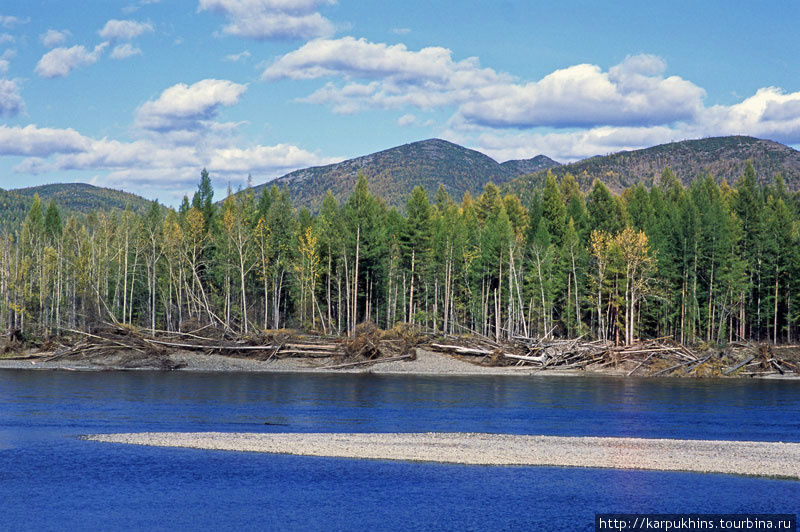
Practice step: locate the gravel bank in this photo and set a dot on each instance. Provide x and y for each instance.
(426, 363)
(773, 459)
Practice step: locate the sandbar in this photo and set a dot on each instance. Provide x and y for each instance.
(770, 459)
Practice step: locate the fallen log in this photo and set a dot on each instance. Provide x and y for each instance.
(640, 364)
(672, 368)
(697, 364)
(461, 350)
(327, 347)
(202, 347)
(739, 365)
(540, 359)
(366, 362)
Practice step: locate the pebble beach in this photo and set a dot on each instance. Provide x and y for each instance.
(770, 459)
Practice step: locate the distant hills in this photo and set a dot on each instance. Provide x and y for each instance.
(393, 173)
(721, 157)
(76, 199)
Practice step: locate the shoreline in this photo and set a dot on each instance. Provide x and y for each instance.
(427, 363)
(767, 459)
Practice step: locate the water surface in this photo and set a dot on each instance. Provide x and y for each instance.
(50, 479)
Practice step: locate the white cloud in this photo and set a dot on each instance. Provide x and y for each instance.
(135, 7)
(406, 120)
(53, 37)
(6, 38)
(123, 51)
(271, 19)
(611, 108)
(359, 58)
(187, 106)
(59, 62)
(271, 159)
(5, 60)
(769, 113)
(633, 93)
(235, 58)
(565, 146)
(396, 76)
(124, 30)
(40, 142)
(9, 21)
(11, 103)
(401, 31)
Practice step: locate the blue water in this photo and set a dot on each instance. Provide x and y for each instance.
(51, 480)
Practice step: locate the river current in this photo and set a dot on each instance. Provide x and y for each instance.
(50, 479)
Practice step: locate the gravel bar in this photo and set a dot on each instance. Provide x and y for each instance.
(772, 459)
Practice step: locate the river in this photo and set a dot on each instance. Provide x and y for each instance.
(52, 480)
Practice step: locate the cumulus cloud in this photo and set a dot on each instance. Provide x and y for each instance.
(632, 93)
(11, 103)
(124, 30)
(271, 19)
(635, 92)
(281, 157)
(59, 62)
(40, 142)
(123, 51)
(611, 108)
(395, 75)
(53, 37)
(188, 106)
(6, 38)
(769, 113)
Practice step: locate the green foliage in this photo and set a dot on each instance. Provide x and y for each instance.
(709, 263)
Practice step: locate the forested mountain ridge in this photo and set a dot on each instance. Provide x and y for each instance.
(77, 199)
(393, 173)
(720, 157)
(84, 198)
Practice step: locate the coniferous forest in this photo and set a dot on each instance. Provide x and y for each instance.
(706, 263)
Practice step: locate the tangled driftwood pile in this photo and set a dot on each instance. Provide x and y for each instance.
(651, 358)
(120, 346)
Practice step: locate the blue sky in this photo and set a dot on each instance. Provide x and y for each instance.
(142, 94)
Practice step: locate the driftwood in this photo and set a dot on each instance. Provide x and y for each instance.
(461, 350)
(368, 362)
(739, 365)
(540, 359)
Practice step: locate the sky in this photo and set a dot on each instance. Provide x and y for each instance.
(140, 95)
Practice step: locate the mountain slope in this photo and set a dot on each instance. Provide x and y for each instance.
(393, 173)
(72, 199)
(84, 198)
(721, 157)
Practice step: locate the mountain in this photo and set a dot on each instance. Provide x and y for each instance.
(393, 173)
(84, 198)
(72, 199)
(520, 167)
(721, 157)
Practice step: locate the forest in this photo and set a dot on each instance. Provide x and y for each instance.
(708, 263)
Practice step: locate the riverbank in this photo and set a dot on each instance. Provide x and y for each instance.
(425, 363)
(770, 459)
